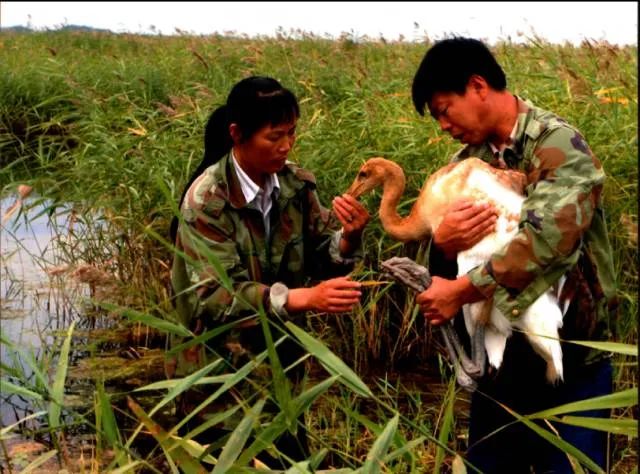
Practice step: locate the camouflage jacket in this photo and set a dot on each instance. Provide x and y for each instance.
(562, 229)
(224, 264)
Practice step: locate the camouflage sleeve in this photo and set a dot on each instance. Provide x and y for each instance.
(564, 185)
(214, 269)
(326, 232)
(336, 256)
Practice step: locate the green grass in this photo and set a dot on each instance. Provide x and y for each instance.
(113, 124)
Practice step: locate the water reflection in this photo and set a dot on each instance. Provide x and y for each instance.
(33, 303)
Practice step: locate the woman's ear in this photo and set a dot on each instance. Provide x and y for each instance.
(234, 132)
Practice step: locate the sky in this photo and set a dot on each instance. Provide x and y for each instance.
(556, 22)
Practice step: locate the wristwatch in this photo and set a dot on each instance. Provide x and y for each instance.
(278, 295)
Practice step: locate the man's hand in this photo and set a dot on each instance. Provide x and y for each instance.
(464, 225)
(444, 298)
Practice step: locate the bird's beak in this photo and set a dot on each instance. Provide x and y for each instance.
(356, 189)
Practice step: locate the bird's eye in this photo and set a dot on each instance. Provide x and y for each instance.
(362, 174)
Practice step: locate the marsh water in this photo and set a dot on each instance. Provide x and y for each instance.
(36, 303)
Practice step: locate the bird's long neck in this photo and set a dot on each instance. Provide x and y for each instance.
(412, 227)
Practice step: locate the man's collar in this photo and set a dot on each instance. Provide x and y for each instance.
(510, 141)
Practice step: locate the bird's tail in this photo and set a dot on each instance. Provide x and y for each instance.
(495, 342)
(541, 322)
(496, 334)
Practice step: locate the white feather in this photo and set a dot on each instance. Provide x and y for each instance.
(542, 319)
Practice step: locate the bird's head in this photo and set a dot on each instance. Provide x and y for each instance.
(372, 174)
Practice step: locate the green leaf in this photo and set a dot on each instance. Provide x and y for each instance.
(201, 247)
(238, 438)
(625, 398)
(57, 390)
(29, 359)
(264, 439)
(233, 379)
(185, 384)
(306, 398)
(344, 470)
(172, 450)
(557, 442)
(212, 421)
(330, 361)
(316, 458)
(623, 426)
(375, 457)
(106, 422)
(446, 424)
(151, 321)
(279, 424)
(8, 387)
(281, 385)
(7, 429)
(172, 383)
(195, 449)
(399, 439)
(127, 468)
(409, 448)
(39, 461)
(301, 467)
(107, 418)
(205, 336)
(616, 347)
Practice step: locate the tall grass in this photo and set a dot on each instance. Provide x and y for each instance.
(113, 125)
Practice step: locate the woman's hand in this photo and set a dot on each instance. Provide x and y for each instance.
(354, 217)
(337, 295)
(464, 225)
(351, 213)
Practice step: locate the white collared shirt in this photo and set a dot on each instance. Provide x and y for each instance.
(255, 196)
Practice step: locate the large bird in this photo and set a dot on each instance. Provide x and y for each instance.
(473, 178)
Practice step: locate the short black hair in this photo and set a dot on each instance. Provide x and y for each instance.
(449, 64)
(257, 101)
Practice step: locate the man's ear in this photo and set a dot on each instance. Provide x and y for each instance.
(234, 132)
(479, 85)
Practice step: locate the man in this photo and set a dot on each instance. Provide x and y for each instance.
(562, 231)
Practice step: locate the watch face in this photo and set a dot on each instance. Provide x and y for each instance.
(278, 295)
(278, 289)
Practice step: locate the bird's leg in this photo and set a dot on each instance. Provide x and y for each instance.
(462, 377)
(459, 354)
(478, 352)
(478, 348)
(417, 277)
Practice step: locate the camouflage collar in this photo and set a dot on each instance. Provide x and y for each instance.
(512, 154)
(513, 151)
(526, 127)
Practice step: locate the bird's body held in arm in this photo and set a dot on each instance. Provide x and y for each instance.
(504, 189)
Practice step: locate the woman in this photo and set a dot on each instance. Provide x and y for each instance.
(252, 219)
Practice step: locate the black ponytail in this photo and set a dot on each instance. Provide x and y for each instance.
(217, 143)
